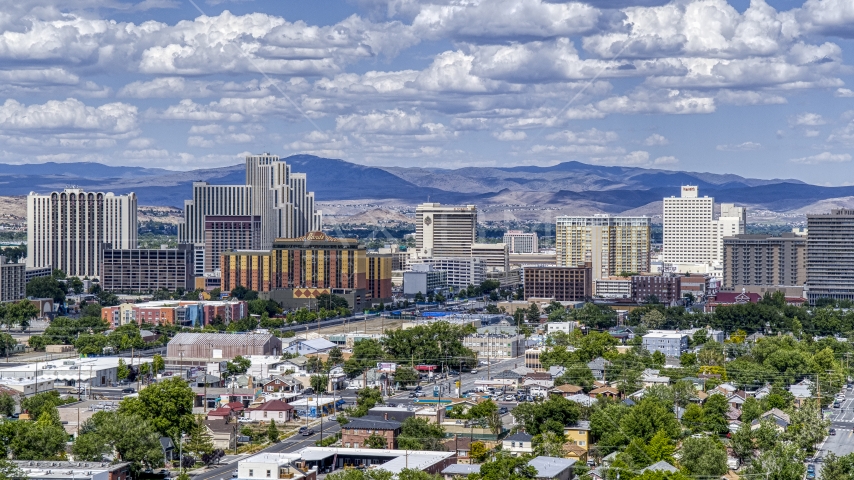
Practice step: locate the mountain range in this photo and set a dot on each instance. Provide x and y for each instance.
(565, 187)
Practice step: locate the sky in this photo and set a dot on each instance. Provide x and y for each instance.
(756, 88)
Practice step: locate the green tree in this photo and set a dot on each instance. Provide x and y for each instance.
(76, 285)
(693, 417)
(366, 354)
(505, 467)
(377, 441)
(838, 468)
(742, 443)
(807, 427)
(336, 356)
(41, 403)
(319, 383)
(7, 344)
(157, 363)
(7, 404)
(168, 406)
(552, 414)
(784, 461)
(273, 432)
(647, 418)
(123, 370)
(405, 376)
(43, 439)
(420, 434)
(478, 451)
(238, 366)
(653, 319)
(688, 360)
(366, 399)
(660, 448)
(10, 471)
(714, 414)
(20, 313)
(549, 444)
(199, 441)
(703, 456)
(132, 438)
(46, 287)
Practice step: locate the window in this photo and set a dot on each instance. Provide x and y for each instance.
(265, 414)
(268, 474)
(281, 414)
(251, 473)
(512, 444)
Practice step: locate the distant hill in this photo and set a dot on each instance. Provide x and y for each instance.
(568, 186)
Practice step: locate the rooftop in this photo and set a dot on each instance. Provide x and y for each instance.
(373, 423)
(461, 469)
(219, 339)
(550, 467)
(519, 437)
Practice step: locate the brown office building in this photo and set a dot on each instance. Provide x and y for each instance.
(564, 284)
(224, 233)
(765, 260)
(297, 270)
(143, 270)
(358, 430)
(666, 288)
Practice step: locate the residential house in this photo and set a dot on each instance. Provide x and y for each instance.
(802, 392)
(609, 392)
(732, 413)
(275, 410)
(459, 471)
(781, 419)
(357, 431)
(282, 384)
(518, 444)
(223, 434)
(566, 390)
(582, 399)
(574, 452)
(736, 399)
(597, 367)
(308, 347)
(661, 466)
(221, 413)
(578, 434)
(373, 377)
(553, 468)
(650, 379)
(462, 446)
(556, 371)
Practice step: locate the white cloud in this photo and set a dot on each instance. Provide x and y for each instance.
(844, 92)
(393, 122)
(68, 115)
(824, 157)
(638, 158)
(668, 160)
(140, 143)
(510, 136)
(655, 140)
(588, 137)
(740, 147)
(808, 119)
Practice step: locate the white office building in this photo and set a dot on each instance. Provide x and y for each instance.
(460, 271)
(692, 235)
(613, 287)
(272, 191)
(445, 231)
(521, 242)
(67, 230)
(496, 255)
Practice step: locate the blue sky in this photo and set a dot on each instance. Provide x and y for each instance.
(752, 88)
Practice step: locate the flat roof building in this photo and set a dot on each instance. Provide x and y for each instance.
(146, 270)
(611, 245)
(830, 256)
(225, 346)
(460, 271)
(13, 281)
(564, 284)
(763, 260)
(445, 231)
(518, 241)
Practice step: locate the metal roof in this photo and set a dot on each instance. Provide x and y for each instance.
(217, 339)
(550, 467)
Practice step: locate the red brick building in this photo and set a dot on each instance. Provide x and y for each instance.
(357, 431)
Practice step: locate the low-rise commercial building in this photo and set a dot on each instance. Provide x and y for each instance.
(671, 344)
(358, 430)
(424, 279)
(320, 458)
(667, 289)
(564, 284)
(487, 345)
(145, 270)
(96, 372)
(461, 271)
(195, 313)
(613, 287)
(53, 470)
(225, 346)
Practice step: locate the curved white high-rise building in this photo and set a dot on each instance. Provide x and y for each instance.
(67, 230)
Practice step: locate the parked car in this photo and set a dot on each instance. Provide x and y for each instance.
(474, 372)
(509, 398)
(502, 410)
(128, 390)
(308, 432)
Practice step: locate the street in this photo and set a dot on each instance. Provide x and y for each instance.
(842, 420)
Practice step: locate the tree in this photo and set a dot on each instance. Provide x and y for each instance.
(781, 462)
(405, 376)
(132, 438)
(688, 360)
(741, 443)
(335, 356)
(319, 383)
(7, 404)
(693, 418)
(549, 444)
(366, 399)
(838, 468)
(20, 313)
(123, 371)
(505, 467)
(238, 366)
(157, 363)
(478, 451)
(41, 403)
(273, 432)
(533, 315)
(653, 319)
(168, 406)
(552, 414)
(46, 287)
(420, 434)
(10, 471)
(366, 354)
(7, 344)
(376, 441)
(703, 456)
(807, 426)
(76, 285)
(751, 410)
(714, 414)
(354, 474)
(648, 418)
(199, 442)
(419, 297)
(43, 439)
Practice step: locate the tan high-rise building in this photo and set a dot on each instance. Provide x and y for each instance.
(610, 244)
(762, 260)
(445, 231)
(67, 230)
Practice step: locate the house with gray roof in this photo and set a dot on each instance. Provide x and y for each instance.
(308, 347)
(553, 467)
(661, 466)
(597, 367)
